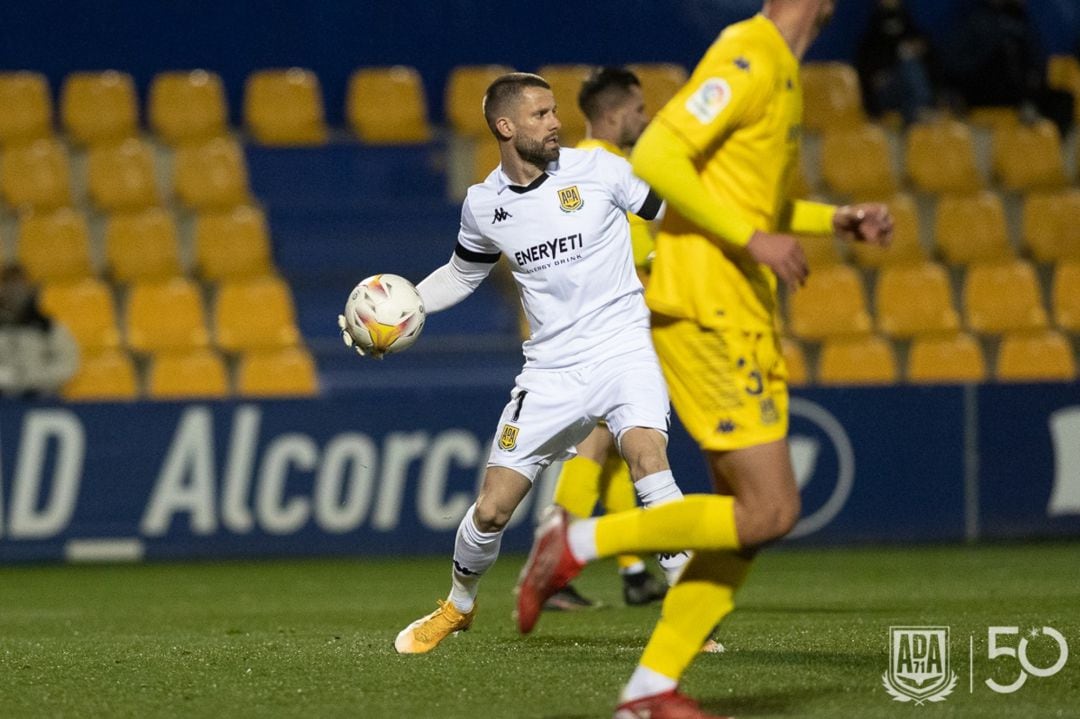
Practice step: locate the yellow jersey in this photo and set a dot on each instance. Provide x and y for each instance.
(740, 118)
(641, 234)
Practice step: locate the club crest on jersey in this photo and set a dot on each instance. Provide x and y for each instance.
(508, 437)
(570, 199)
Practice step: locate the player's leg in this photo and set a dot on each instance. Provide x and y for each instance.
(617, 495)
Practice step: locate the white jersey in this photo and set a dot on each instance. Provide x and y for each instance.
(567, 241)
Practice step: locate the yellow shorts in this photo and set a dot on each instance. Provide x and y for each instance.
(728, 386)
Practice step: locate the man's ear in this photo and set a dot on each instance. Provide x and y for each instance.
(505, 127)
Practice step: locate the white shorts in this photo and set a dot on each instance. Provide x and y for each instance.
(551, 411)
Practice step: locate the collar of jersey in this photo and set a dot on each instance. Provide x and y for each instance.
(505, 184)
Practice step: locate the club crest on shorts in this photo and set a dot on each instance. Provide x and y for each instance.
(570, 199)
(508, 437)
(919, 665)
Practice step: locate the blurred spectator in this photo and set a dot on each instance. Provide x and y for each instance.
(37, 355)
(894, 64)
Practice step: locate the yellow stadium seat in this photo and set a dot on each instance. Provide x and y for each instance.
(55, 246)
(285, 107)
(99, 106)
(255, 314)
(940, 157)
(1044, 356)
(485, 157)
(287, 372)
(387, 106)
(1065, 296)
(27, 107)
(833, 302)
(857, 162)
(1050, 225)
(971, 228)
(166, 315)
(187, 374)
(465, 90)
(211, 174)
(865, 360)
(232, 244)
(659, 82)
(993, 118)
(187, 106)
(831, 96)
(795, 359)
(86, 307)
(1063, 73)
(566, 81)
(1029, 157)
(108, 375)
(142, 246)
(821, 250)
(906, 247)
(946, 359)
(1001, 297)
(122, 176)
(912, 299)
(36, 175)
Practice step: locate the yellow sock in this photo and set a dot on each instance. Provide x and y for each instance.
(578, 487)
(702, 597)
(698, 521)
(617, 495)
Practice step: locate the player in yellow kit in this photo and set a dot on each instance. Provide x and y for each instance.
(721, 153)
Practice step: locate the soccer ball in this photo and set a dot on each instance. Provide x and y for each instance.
(384, 314)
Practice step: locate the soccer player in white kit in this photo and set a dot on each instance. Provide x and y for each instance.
(559, 217)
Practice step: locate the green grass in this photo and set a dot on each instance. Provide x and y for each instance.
(314, 638)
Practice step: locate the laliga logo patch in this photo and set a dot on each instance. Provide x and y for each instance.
(508, 437)
(570, 199)
(824, 463)
(709, 100)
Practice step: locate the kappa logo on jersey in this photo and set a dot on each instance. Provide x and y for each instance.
(508, 437)
(709, 100)
(500, 215)
(570, 199)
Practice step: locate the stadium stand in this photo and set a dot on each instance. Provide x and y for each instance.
(36, 175)
(857, 162)
(286, 372)
(199, 372)
(122, 176)
(1000, 297)
(55, 245)
(1049, 225)
(1028, 157)
(906, 247)
(187, 106)
(98, 107)
(211, 175)
(831, 96)
(254, 314)
(284, 107)
(142, 245)
(946, 359)
(972, 228)
(387, 106)
(914, 299)
(149, 303)
(464, 88)
(1044, 356)
(232, 244)
(940, 157)
(659, 82)
(860, 360)
(107, 375)
(28, 108)
(833, 302)
(1065, 298)
(87, 308)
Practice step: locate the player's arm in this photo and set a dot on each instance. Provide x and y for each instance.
(472, 261)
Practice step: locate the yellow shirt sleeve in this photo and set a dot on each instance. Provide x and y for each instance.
(808, 218)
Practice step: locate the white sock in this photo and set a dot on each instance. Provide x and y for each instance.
(644, 683)
(474, 553)
(581, 536)
(657, 488)
(635, 568)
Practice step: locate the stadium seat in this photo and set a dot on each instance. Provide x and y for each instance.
(1050, 222)
(142, 246)
(122, 176)
(187, 374)
(659, 82)
(857, 162)
(55, 246)
(232, 244)
(165, 316)
(1001, 297)
(99, 107)
(946, 359)
(465, 90)
(27, 107)
(1065, 296)
(287, 372)
(285, 107)
(971, 228)
(211, 175)
(255, 314)
(906, 247)
(821, 250)
(1029, 157)
(993, 118)
(795, 359)
(912, 299)
(485, 157)
(1044, 356)
(940, 157)
(862, 360)
(187, 106)
(831, 96)
(566, 81)
(108, 375)
(86, 307)
(36, 175)
(833, 302)
(387, 106)
(1063, 73)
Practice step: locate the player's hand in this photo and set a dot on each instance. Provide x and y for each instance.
(869, 222)
(782, 254)
(347, 338)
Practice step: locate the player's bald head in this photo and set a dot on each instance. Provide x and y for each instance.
(505, 92)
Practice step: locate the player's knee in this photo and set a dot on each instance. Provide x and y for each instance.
(763, 522)
(489, 517)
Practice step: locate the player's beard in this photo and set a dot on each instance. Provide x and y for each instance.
(536, 152)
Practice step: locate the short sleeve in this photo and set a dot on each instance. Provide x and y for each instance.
(471, 244)
(629, 191)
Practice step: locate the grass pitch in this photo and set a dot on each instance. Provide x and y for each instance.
(314, 639)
